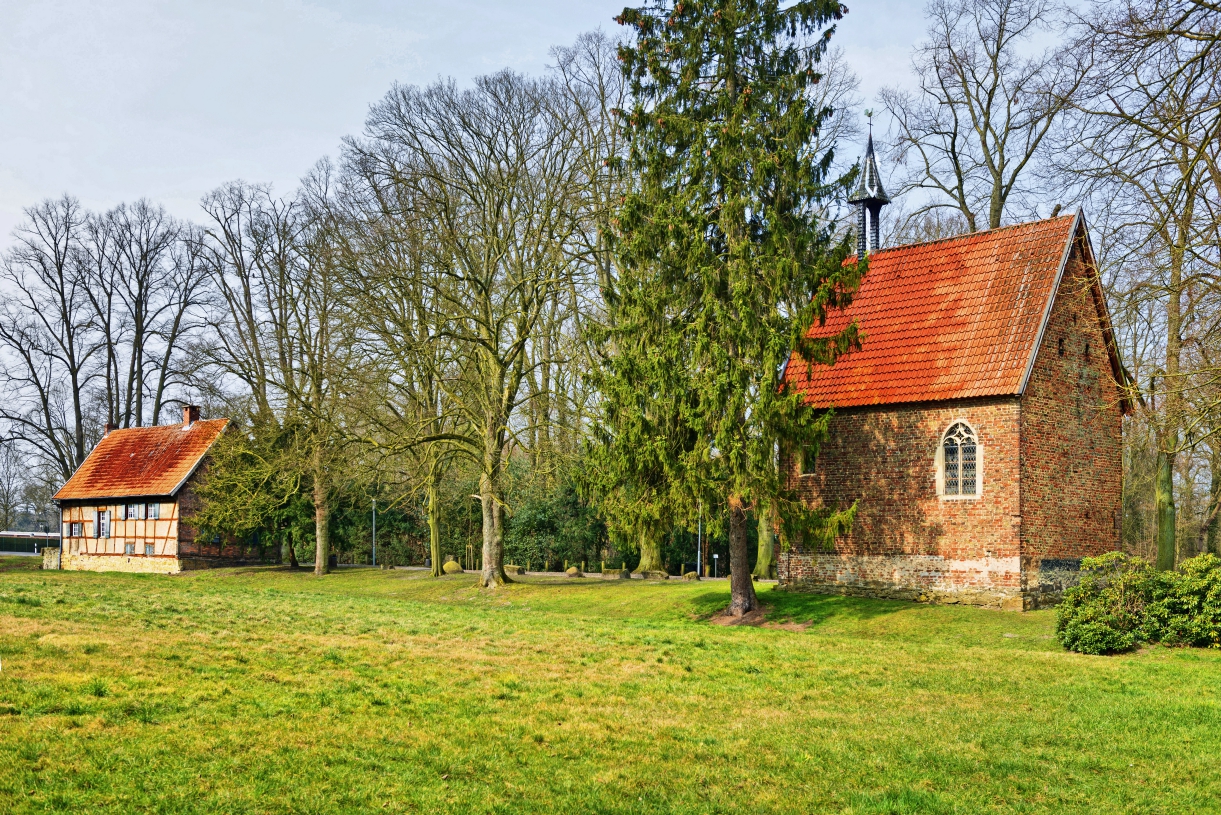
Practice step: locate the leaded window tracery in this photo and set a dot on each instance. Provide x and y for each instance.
(960, 460)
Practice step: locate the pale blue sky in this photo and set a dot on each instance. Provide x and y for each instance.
(115, 100)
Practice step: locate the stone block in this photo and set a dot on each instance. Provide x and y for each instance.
(50, 557)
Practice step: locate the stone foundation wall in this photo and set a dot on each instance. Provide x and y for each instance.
(1047, 582)
(121, 563)
(992, 582)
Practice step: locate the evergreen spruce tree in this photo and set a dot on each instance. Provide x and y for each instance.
(725, 261)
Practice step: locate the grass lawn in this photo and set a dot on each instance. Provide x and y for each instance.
(264, 690)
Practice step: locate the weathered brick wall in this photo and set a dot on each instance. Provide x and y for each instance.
(1071, 459)
(907, 541)
(188, 505)
(201, 552)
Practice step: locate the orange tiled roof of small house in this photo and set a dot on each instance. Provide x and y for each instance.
(950, 319)
(142, 461)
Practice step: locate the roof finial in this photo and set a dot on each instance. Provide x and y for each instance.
(870, 197)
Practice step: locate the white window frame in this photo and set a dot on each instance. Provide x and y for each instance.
(979, 463)
(102, 519)
(150, 550)
(152, 511)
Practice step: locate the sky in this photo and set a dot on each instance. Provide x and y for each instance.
(117, 100)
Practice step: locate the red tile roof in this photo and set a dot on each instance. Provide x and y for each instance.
(142, 461)
(950, 319)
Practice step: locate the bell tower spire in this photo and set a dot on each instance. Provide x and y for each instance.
(869, 198)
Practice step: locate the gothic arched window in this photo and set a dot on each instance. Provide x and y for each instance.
(960, 459)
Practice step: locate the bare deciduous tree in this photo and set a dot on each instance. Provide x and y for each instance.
(279, 323)
(490, 177)
(1146, 125)
(49, 337)
(970, 136)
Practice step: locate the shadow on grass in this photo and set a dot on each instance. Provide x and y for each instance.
(802, 607)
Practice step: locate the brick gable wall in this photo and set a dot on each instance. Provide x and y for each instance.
(1072, 439)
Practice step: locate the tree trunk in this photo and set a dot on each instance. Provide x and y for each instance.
(292, 553)
(1168, 437)
(741, 586)
(434, 530)
(765, 564)
(650, 552)
(322, 517)
(493, 574)
(1212, 524)
(1163, 493)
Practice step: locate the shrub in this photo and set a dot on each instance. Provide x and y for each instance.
(1121, 602)
(1189, 612)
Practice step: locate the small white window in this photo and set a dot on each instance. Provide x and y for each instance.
(134, 512)
(959, 459)
(153, 511)
(149, 551)
(129, 549)
(103, 524)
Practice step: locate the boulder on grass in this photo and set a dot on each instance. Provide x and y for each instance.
(616, 574)
(573, 571)
(510, 569)
(691, 576)
(452, 567)
(657, 575)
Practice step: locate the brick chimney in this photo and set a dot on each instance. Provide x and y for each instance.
(190, 415)
(110, 426)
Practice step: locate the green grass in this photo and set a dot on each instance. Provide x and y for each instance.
(264, 690)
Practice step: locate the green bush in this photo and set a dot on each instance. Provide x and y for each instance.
(1121, 602)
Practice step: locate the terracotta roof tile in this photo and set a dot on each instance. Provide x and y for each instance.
(142, 461)
(950, 319)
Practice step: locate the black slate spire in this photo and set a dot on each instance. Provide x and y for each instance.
(869, 198)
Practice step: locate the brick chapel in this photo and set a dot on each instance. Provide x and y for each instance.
(978, 427)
